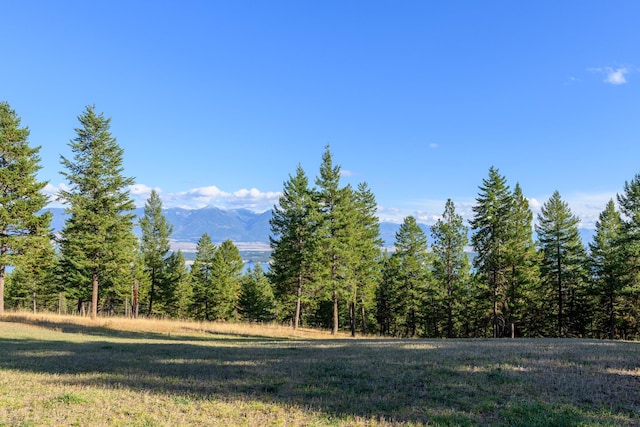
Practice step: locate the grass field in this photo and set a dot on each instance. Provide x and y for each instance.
(71, 371)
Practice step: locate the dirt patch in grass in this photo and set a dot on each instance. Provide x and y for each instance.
(55, 375)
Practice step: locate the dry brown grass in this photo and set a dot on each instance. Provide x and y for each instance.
(167, 326)
(72, 371)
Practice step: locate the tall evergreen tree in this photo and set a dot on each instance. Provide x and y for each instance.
(523, 274)
(563, 262)
(155, 246)
(385, 295)
(24, 231)
(97, 240)
(412, 276)
(202, 278)
(366, 245)
(336, 231)
(294, 244)
(629, 202)
(607, 268)
(33, 279)
(178, 278)
(490, 226)
(451, 263)
(226, 274)
(256, 302)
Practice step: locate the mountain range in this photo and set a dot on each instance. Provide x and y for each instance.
(247, 229)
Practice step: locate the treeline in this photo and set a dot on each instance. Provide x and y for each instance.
(328, 268)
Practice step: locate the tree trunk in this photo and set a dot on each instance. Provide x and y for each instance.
(612, 319)
(449, 318)
(334, 329)
(495, 311)
(94, 294)
(449, 306)
(296, 319)
(559, 266)
(153, 290)
(352, 318)
(2, 271)
(134, 300)
(364, 319)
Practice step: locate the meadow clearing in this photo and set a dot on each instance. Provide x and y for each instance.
(62, 370)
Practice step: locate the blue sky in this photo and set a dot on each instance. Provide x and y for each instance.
(216, 103)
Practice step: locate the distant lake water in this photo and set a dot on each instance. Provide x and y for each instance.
(249, 265)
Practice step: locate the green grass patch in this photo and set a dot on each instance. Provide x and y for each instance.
(61, 375)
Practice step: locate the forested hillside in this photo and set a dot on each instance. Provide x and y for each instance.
(330, 264)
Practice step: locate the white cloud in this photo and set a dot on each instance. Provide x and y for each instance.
(195, 198)
(205, 193)
(346, 173)
(426, 211)
(586, 206)
(141, 190)
(433, 146)
(52, 191)
(535, 205)
(614, 76)
(213, 196)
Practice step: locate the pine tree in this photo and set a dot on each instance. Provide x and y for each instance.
(385, 295)
(629, 202)
(490, 225)
(336, 232)
(24, 231)
(523, 274)
(607, 268)
(202, 278)
(155, 246)
(178, 278)
(294, 245)
(451, 263)
(563, 262)
(32, 280)
(412, 281)
(256, 302)
(97, 241)
(366, 245)
(226, 270)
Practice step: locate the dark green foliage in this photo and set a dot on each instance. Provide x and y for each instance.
(25, 233)
(226, 271)
(97, 242)
(327, 268)
(563, 266)
(451, 270)
(177, 278)
(32, 282)
(629, 202)
(294, 243)
(336, 232)
(490, 226)
(256, 302)
(385, 315)
(366, 247)
(154, 245)
(522, 274)
(412, 281)
(215, 276)
(607, 269)
(202, 279)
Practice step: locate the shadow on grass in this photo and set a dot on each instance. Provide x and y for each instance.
(455, 382)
